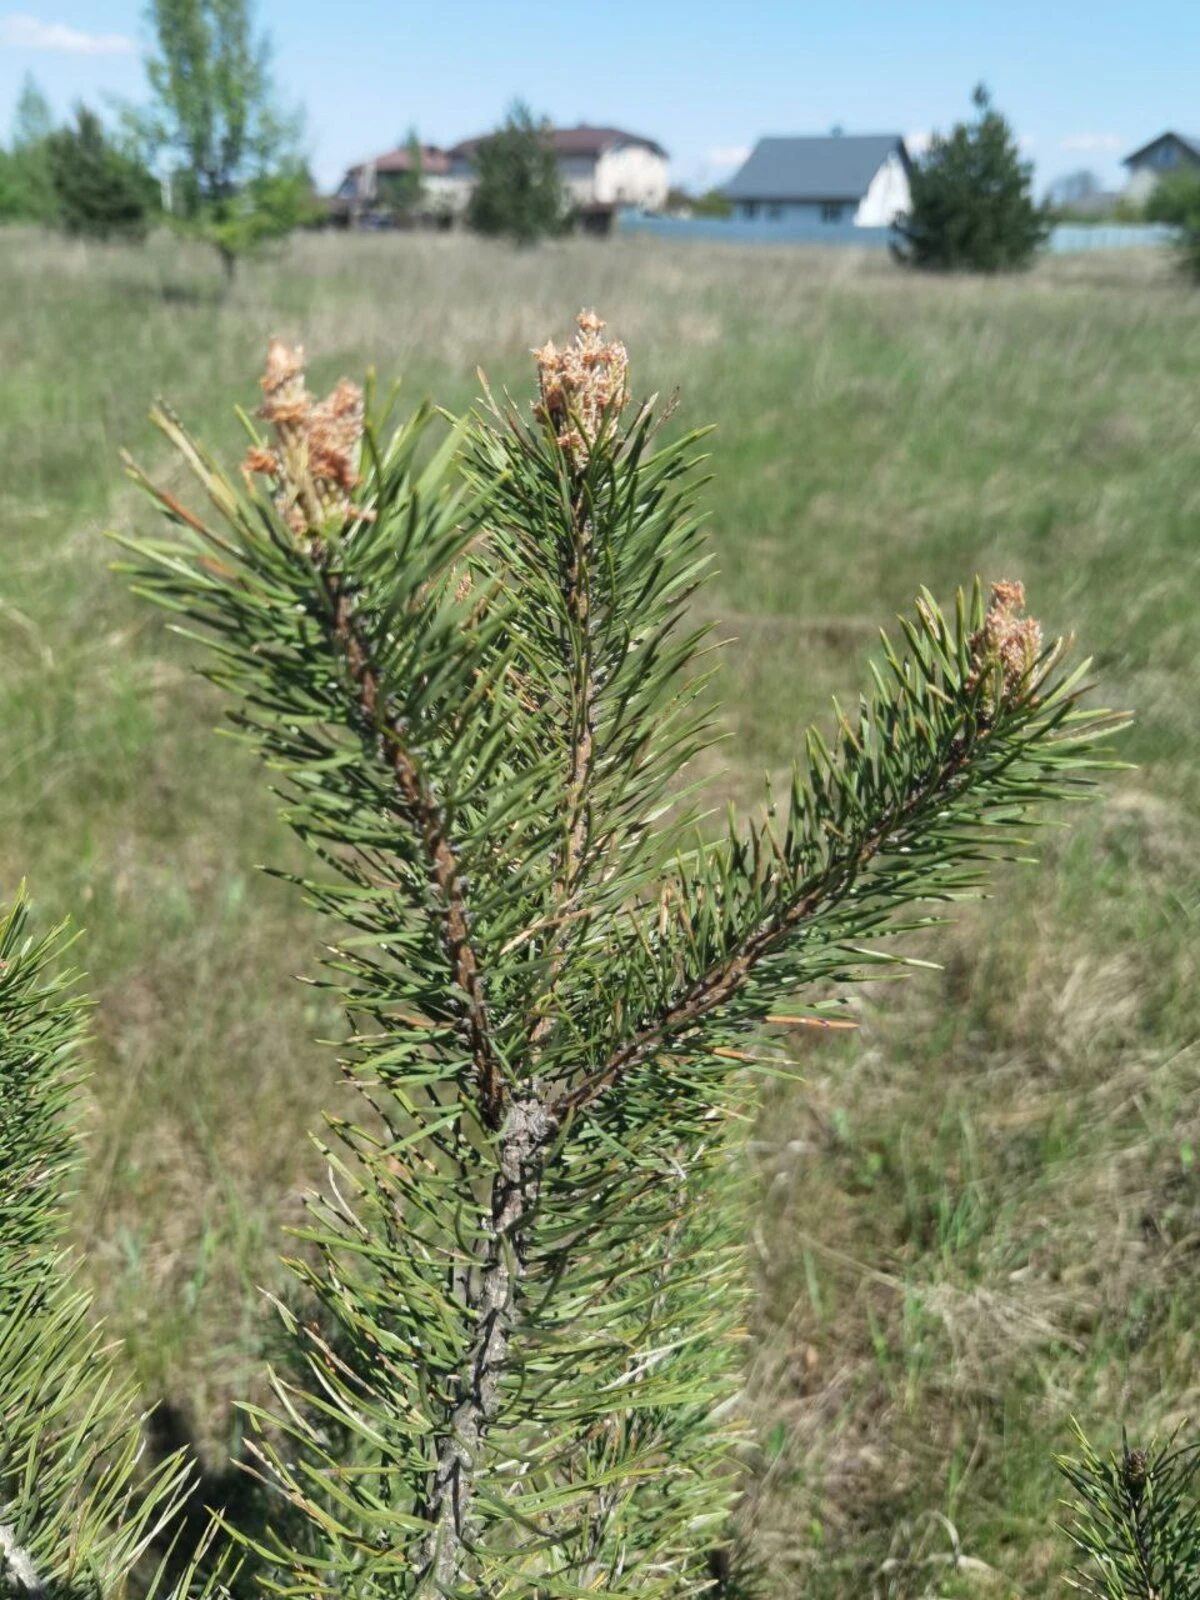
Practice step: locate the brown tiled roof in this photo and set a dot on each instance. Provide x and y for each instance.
(581, 140)
(433, 160)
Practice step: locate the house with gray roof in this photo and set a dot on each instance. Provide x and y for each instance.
(839, 178)
(1168, 154)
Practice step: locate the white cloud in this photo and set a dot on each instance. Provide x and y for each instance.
(21, 32)
(917, 143)
(727, 155)
(1091, 144)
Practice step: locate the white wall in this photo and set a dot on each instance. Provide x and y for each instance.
(445, 193)
(631, 175)
(887, 196)
(1142, 183)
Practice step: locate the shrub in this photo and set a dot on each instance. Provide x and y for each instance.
(470, 665)
(972, 201)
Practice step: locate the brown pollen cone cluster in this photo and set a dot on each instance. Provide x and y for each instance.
(314, 459)
(1007, 640)
(581, 384)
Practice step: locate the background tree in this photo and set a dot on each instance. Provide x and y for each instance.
(26, 186)
(517, 192)
(1078, 194)
(99, 190)
(238, 179)
(712, 203)
(972, 203)
(401, 192)
(1176, 200)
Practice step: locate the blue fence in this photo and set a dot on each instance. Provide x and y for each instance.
(1065, 238)
(1068, 237)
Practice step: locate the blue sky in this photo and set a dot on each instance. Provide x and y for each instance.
(1082, 82)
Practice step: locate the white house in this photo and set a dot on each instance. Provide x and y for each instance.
(1169, 153)
(369, 186)
(600, 168)
(859, 179)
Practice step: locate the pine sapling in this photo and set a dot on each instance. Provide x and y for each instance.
(472, 667)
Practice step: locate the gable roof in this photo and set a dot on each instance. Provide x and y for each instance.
(1189, 142)
(828, 167)
(433, 161)
(581, 140)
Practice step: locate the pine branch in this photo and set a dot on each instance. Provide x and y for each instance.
(1135, 1520)
(529, 1266)
(427, 818)
(79, 1507)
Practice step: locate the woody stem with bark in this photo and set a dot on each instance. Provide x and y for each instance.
(493, 1286)
(523, 1126)
(421, 806)
(577, 652)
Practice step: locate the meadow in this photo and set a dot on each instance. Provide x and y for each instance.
(980, 1213)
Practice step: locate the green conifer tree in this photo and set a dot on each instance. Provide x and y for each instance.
(472, 669)
(972, 206)
(517, 191)
(99, 190)
(1175, 200)
(26, 187)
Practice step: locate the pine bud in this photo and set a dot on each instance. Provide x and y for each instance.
(580, 385)
(314, 459)
(1007, 642)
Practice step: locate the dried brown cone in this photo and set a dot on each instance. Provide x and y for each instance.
(581, 385)
(314, 457)
(1008, 645)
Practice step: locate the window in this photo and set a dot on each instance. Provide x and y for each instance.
(831, 212)
(749, 210)
(774, 213)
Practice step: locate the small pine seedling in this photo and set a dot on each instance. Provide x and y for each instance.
(471, 668)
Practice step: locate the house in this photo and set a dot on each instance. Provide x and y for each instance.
(600, 168)
(376, 190)
(1169, 153)
(851, 179)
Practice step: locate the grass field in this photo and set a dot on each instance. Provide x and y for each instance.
(982, 1215)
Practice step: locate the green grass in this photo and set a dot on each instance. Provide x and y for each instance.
(982, 1214)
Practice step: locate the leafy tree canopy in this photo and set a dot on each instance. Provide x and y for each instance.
(215, 111)
(972, 204)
